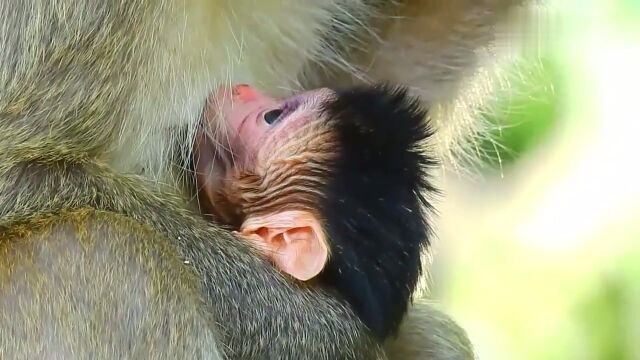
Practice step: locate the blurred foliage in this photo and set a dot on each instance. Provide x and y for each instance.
(609, 317)
(627, 11)
(603, 315)
(523, 118)
(518, 299)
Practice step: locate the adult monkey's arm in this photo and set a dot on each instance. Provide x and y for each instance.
(97, 265)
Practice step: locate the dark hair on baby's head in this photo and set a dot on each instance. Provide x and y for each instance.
(375, 209)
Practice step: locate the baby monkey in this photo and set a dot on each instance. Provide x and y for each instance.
(328, 185)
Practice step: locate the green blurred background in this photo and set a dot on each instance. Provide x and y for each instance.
(538, 257)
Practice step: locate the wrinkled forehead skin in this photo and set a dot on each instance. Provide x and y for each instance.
(291, 172)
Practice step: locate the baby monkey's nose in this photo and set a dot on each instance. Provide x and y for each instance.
(244, 92)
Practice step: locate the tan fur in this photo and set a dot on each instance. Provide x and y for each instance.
(428, 333)
(107, 252)
(93, 90)
(444, 50)
(94, 243)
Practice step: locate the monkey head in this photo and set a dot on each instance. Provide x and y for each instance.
(329, 185)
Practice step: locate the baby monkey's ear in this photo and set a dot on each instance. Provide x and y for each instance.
(293, 240)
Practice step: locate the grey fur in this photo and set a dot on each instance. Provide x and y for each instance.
(101, 263)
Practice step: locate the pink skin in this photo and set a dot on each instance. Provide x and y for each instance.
(242, 108)
(243, 112)
(293, 240)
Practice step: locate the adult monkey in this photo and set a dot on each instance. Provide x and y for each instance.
(98, 104)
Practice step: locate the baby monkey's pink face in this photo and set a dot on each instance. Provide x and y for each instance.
(257, 123)
(255, 129)
(268, 183)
